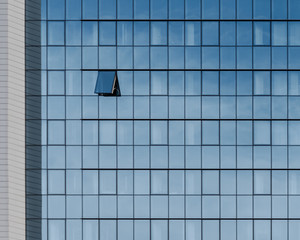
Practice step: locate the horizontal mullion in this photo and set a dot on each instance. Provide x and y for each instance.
(169, 169)
(165, 20)
(170, 219)
(183, 69)
(177, 119)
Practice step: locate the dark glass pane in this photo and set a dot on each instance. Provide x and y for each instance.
(107, 83)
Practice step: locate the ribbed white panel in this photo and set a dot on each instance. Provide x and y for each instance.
(12, 120)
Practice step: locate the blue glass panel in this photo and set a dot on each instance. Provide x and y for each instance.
(107, 9)
(159, 83)
(56, 206)
(228, 56)
(73, 30)
(141, 33)
(90, 182)
(141, 57)
(125, 57)
(262, 83)
(107, 131)
(210, 57)
(107, 57)
(56, 34)
(244, 83)
(125, 10)
(193, 133)
(261, 33)
(227, 83)
(244, 33)
(159, 206)
(294, 83)
(210, 209)
(227, 133)
(158, 57)
(279, 58)
(245, 230)
(279, 230)
(294, 54)
(294, 33)
(294, 9)
(244, 204)
(56, 229)
(159, 229)
(159, 33)
(141, 9)
(176, 33)
(210, 33)
(108, 229)
(90, 33)
(90, 229)
(210, 229)
(56, 83)
(124, 36)
(279, 9)
(192, 33)
(192, 58)
(261, 132)
(159, 182)
(261, 9)
(56, 57)
(244, 9)
(73, 181)
(56, 9)
(210, 157)
(176, 83)
(176, 107)
(210, 83)
(142, 230)
(244, 133)
(107, 33)
(227, 33)
(90, 210)
(73, 58)
(228, 9)
(159, 9)
(176, 9)
(141, 83)
(90, 132)
(262, 107)
(90, 156)
(210, 9)
(176, 230)
(192, 9)
(73, 9)
(262, 57)
(74, 229)
(159, 132)
(56, 132)
(90, 9)
(262, 230)
(73, 132)
(105, 83)
(89, 57)
(176, 57)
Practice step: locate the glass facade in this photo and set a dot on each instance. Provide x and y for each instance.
(203, 143)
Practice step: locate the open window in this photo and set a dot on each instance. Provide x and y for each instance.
(107, 84)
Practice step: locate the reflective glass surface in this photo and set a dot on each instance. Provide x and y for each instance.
(204, 141)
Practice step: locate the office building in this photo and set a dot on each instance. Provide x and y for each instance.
(152, 120)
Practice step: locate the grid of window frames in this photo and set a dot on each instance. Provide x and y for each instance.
(204, 142)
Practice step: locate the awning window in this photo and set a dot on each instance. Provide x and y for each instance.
(107, 84)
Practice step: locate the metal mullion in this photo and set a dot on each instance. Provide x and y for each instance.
(181, 69)
(183, 20)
